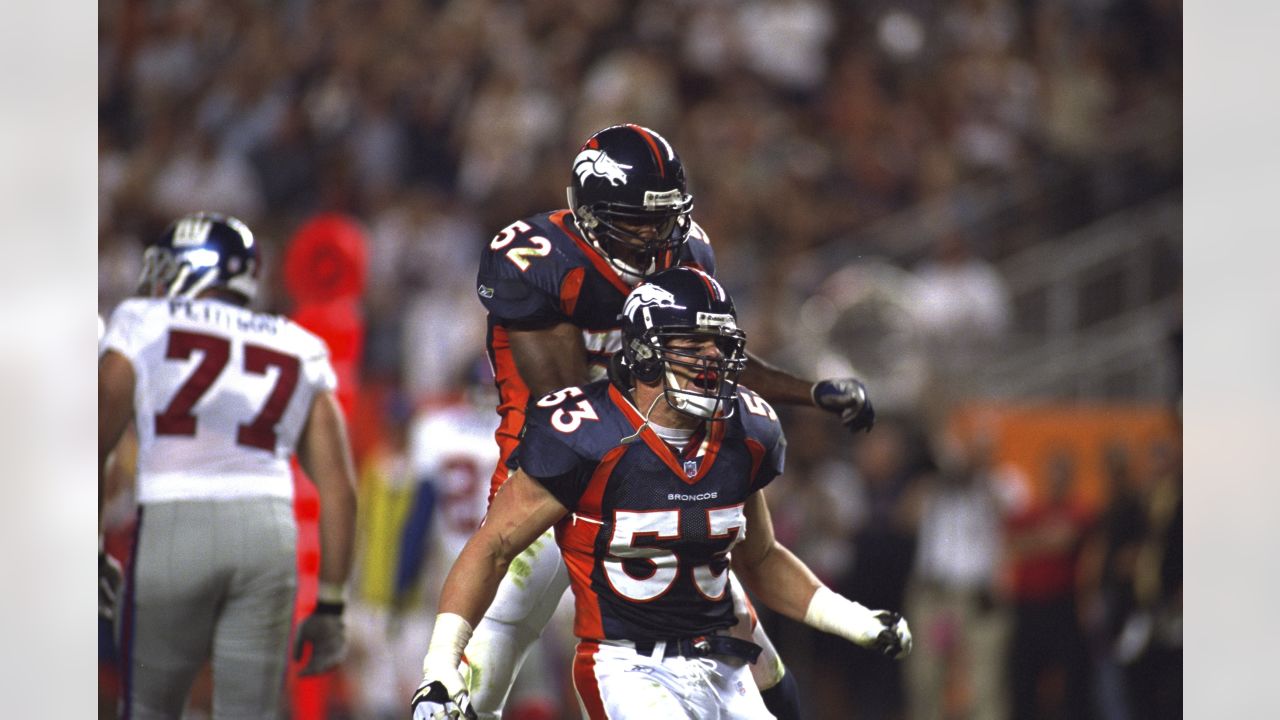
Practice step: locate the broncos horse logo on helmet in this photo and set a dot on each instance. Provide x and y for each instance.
(628, 196)
(685, 302)
(647, 296)
(596, 163)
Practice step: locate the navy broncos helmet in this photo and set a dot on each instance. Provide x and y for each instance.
(628, 195)
(685, 302)
(199, 252)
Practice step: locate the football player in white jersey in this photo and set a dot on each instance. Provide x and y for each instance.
(222, 397)
(453, 454)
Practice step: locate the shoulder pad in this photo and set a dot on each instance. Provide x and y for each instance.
(522, 268)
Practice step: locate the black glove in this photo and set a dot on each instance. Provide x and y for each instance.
(848, 397)
(432, 702)
(110, 577)
(895, 640)
(324, 631)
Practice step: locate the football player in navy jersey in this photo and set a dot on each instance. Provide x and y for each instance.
(653, 481)
(554, 285)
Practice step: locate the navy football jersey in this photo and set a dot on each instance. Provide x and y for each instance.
(538, 272)
(649, 533)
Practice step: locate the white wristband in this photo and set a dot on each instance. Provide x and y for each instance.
(331, 592)
(448, 640)
(836, 614)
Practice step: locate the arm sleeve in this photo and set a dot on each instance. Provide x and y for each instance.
(317, 368)
(547, 459)
(125, 330)
(775, 457)
(766, 431)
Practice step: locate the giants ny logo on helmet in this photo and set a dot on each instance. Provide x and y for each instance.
(594, 163)
(645, 297)
(192, 231)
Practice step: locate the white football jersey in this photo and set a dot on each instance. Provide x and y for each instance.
(222, 394)
(454, 448)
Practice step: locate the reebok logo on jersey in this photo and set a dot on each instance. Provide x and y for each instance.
(693, 498)
(485, 292)
(594, 163)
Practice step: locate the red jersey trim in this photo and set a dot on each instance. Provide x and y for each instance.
(757, 456)
(571, 289)
(513, 397)
(577, 538)
(653, 147)
(584, 680)
(597, 260)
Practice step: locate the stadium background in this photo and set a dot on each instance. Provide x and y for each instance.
(976, 205)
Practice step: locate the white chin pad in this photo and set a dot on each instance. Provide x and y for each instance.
(690, 402)
(629, 274)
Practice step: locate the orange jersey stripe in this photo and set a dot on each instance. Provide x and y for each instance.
(513, 397)
(570, 289)
(560, 219)
(653, 147)
(584, 680)
(578, 541)
(757, 456)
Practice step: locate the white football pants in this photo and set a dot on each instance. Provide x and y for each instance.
(525, 601)
(614, 682)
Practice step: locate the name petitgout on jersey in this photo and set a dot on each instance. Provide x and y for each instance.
(225, 315)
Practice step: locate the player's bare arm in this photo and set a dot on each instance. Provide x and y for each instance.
(776, 385)
(324, 453)
(549, 358)
(115, 411)
(772, 572)
(521, 511)
(784, 583)
(846, 397)
(116, 381)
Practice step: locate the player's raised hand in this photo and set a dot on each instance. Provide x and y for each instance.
(324, 631)
(848, 398)
(442, 699)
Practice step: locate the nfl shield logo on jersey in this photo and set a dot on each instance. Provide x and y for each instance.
(690, 467)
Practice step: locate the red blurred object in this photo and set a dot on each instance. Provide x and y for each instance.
(326, 260)
(532, 709)
(324, 272)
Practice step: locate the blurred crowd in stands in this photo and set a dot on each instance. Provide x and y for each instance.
(434, 123)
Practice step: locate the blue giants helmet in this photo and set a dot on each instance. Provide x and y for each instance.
(199, 252)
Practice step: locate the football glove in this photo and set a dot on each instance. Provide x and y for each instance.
(877, 630)
(848, 398)
(442, 699)
(443, 694)
(110, 577)
(323, 630)
(895, 639)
